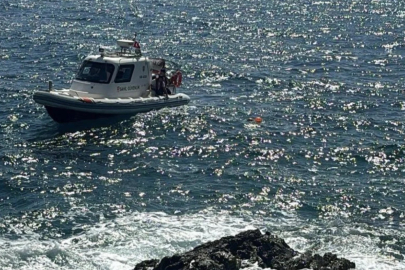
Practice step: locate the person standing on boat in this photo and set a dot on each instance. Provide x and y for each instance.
(158, 86)
(165, 81)
(162, 83)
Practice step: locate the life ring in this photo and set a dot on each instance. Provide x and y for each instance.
(176, 79)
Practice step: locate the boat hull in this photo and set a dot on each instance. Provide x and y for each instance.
(66, 116)
(64, 108)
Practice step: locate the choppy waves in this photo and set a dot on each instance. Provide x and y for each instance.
(324, 169)
(122, 242)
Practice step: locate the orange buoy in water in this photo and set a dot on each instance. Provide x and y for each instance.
(258, 120)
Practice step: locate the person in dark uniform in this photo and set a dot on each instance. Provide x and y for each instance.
(162, 83)
(159, 85)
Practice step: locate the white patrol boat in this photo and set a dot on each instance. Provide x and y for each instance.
(114, 83)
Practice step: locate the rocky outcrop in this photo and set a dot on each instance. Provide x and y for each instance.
(230, 253)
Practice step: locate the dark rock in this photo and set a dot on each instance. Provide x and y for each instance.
(228, 252)
(146, 264)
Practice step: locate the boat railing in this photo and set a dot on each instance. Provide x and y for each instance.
(124, 54)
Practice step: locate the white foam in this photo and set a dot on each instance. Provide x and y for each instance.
(127, 240)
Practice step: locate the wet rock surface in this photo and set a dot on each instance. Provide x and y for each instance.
(230, 253)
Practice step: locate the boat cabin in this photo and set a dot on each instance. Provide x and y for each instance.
(121, 74)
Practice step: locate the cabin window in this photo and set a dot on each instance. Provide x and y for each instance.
(95, 72)
(124, 73)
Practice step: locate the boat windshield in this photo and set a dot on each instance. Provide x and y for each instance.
(95, 72)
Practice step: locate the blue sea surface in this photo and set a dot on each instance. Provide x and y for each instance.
(325, 169)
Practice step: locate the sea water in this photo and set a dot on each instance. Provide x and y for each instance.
(324, 169)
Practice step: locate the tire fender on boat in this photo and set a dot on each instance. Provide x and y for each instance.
(87, 100)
